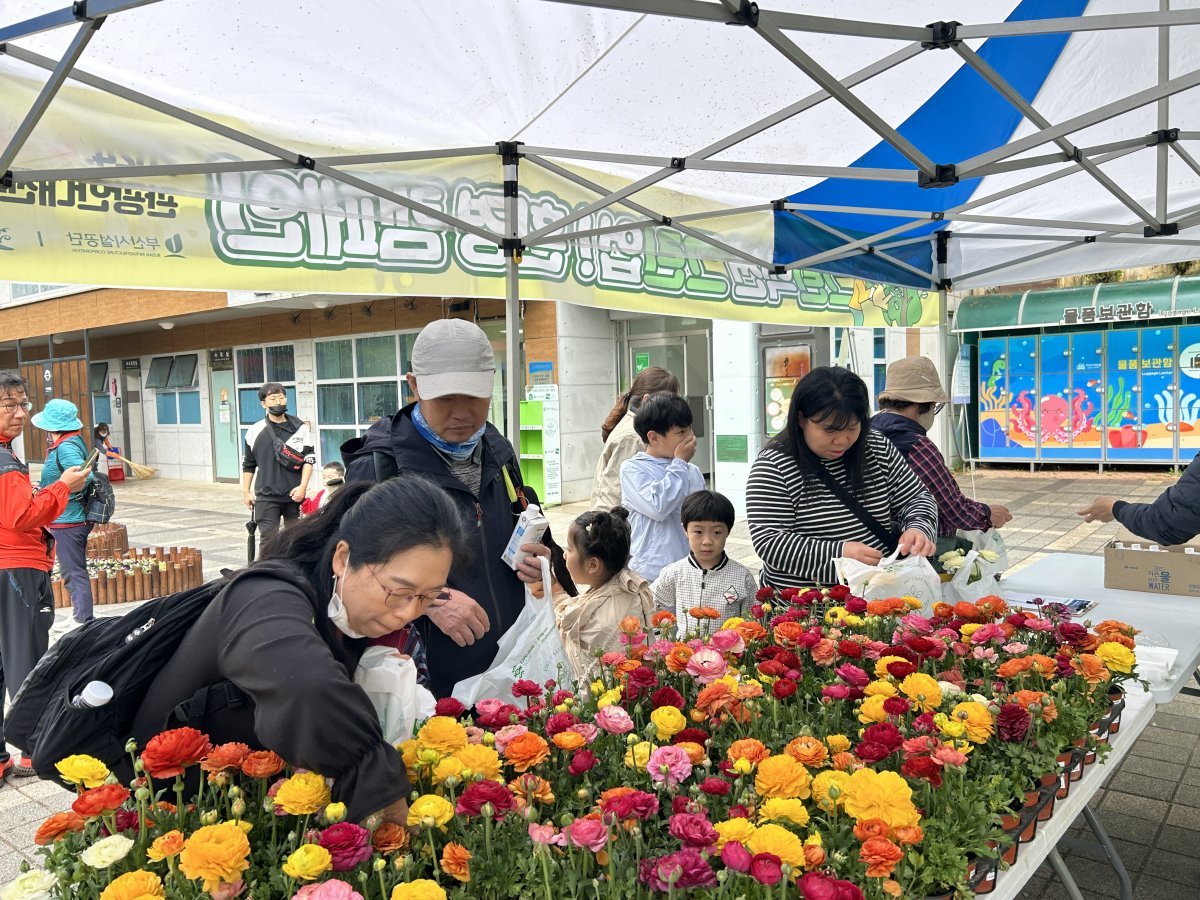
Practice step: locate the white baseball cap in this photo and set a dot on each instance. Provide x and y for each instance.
(453, 356)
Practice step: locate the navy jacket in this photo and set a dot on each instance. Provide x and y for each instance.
(490, 517)
(1174, 518)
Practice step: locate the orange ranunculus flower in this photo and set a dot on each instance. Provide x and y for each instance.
(1117, 638)
(1092, 668)
(569, 740)
(892, 888)
(611, 794)
(715, 698)
(881, 856)
(787, 633)
(748, 690)
(750, 749)
(390, 837)
(1112, 626)
(943, 610)
(58, 826)
(526, 750)
(825, 653)
(1026, 699)
(808, 751)
(750, 631)
(844, 761)
(456, 862)
(871, 828)
(814, 856)
(695, 752)
(662, 619)
(1018, 665)
(170, 753)
(909, 835)
(262, 764)
(630, 625)
(225, 756)
(991, 606)
(625, 666)
(1043, 665)
(967, 611)
(704, 612)
(99, 800)
(678, 656)
(530, 787)
(886, 607)
(165, 846)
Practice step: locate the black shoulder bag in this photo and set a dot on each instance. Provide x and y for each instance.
(887, 536)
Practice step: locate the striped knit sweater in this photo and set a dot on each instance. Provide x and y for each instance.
(798, 526)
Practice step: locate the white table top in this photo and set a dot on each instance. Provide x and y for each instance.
(1169, 618)
(1139, 710)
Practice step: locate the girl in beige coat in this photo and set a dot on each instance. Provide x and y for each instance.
(597, 554)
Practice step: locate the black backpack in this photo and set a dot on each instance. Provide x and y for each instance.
(125, 653)
(98, 498)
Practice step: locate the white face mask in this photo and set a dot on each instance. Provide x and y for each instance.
(337, 611)
(925, 420)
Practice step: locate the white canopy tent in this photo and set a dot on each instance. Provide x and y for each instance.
(1040, 138)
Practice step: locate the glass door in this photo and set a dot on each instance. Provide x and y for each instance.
(687, 357)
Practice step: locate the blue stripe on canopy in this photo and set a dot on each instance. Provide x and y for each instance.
(963, 118)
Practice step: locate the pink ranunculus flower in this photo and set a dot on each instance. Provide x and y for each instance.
(669, 765)
(507, 734)
(736, 857)
(587, 833)
(917, 623)
(611, 658)
(614, 720)
(1039, 624)
(348, 844)
(728, 641)
(327, 890)
(475, 734)
(658, 650)
(987, 633)
(545, 834)
(1016, 648)
(948, 756)
(985, 654)
(229, 890)
(707, 665)
(589, 732)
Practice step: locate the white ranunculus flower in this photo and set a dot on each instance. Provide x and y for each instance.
(32, 885)
(949, 690)
(989, 555)
(107, 851)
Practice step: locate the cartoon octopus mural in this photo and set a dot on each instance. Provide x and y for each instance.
(1060, 421)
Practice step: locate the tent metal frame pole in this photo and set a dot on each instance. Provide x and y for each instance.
(969, 168)
(829, 229)
(567, 236)
(769, 31)
(1186, 157)
(1074, 239)
(512, 248)
(867, 72)
(856, 246)
(71, 15)
(1079, 23)
(1014, 98)
(41, 103)
(1164, 115)
(166, 171)
(364, 159)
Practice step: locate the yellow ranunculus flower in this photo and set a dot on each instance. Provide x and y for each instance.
(828, 789)
(638, 755)
(788, 810)
(969, 628)
(483, 761)
(837, 743)
(82, 769)
(737, 830)
(608, 698)
(430, 807)
(922, 690)
(408, 752)
(165, 846)
(732, 622)
(443, 734)
(308, 862)
(215, 854)
(976, 719)
(668, 721)
(303, 794)
(776, 839)
(597, 687)
(880, 688)
(449, 767)
(884, 661)
(782, 776)
(880, 795)
(139, 885)
(335, 812)
(852, 620)
(420, 889)
(871, 710)
(1117, 657)
(835, 614)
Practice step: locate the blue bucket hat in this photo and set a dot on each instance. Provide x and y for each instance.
(58, 415)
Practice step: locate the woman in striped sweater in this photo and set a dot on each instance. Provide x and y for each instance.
(798, 525)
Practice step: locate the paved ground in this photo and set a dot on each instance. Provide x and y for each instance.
(1150, 805)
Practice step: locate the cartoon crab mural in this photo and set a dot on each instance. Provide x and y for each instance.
(1060, 421)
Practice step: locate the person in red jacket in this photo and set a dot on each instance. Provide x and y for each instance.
(26, 555)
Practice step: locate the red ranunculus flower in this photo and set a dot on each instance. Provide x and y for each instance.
(581, 761)
(856, 606)
(738, 811)
(783, 688)
(99, 800)
(495, 715)
(560, 722)
(471, 800)
(639, 681)
(348, 844)
(667, 696)
(850, 649)
(634, 805)
(923, 767)
(448, 706)
(871, 751)
(1012, 723)
(765, 868)
(896, 706)
(560, 696)
(900, 669)
(168, 754)
(716, 787)
(789, 594)
(526, 688)
(763, 594)
(691, 736)
(885, 733)
(839, 592)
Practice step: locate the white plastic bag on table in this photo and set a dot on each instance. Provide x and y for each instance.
(531, 648)
(912, 576)
(961, 587)
(390, 682)
(990, 541)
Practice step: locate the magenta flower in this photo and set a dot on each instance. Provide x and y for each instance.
(853, 675)
(728, 641)
(680, 871)
(766, 868)
(693, 830)
(327, 890)
(587, 833)
(669, 765)
(348, 844)
(736, 857)
(614, 720)
(507, 734)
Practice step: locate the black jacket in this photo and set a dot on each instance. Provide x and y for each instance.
(1173, 518)
(295, 694)
(490, 516)
(900, 430)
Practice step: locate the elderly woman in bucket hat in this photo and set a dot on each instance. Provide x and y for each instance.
(911, 398)
(60, 419)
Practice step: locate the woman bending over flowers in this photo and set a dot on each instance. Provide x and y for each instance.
(270, 663)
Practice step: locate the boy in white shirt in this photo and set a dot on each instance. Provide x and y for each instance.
(655, 482)
(706, 576)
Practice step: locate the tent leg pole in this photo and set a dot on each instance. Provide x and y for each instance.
(510, 156)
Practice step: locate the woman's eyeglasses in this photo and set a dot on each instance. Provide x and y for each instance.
(395, 598)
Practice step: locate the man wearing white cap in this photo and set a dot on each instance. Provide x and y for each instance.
(446, 437)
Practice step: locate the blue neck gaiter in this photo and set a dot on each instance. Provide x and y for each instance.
(457, 452)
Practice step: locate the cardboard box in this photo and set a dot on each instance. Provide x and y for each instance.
(1130, 565)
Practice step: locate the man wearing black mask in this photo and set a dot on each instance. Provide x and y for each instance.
(276, 463)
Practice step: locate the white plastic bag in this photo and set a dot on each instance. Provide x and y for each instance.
(390, 681)
(531, 648)
(912, 576)
(961, 587)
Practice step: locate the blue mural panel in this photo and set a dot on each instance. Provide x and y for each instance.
(1087, 394)
(1157, 394)
(1187, 358)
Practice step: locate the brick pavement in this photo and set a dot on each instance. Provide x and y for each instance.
(1150, 804)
